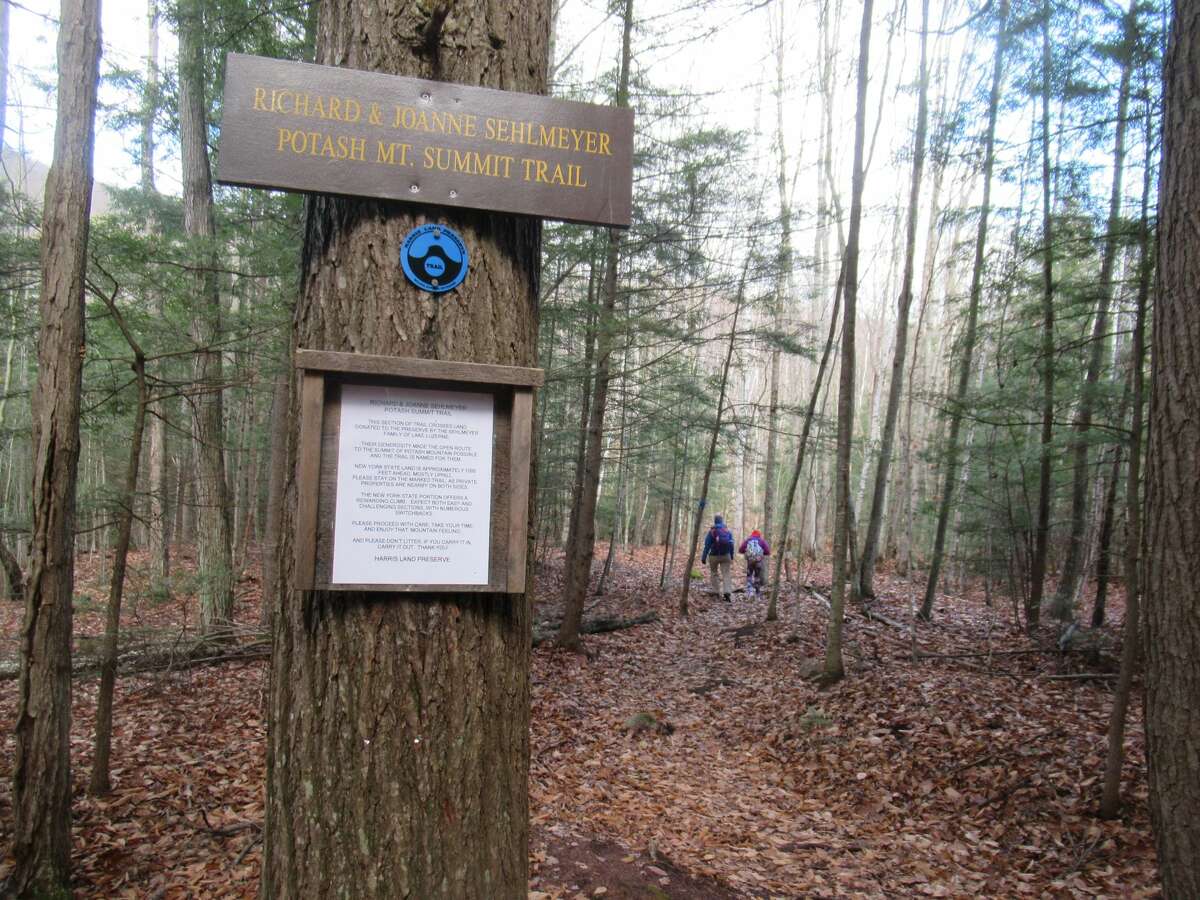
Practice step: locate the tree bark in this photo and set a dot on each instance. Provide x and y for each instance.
(398, 737)
(214, 551)
(42, 765)
(1172, 489)
(866, 571)
(834, 667)
(968, 349)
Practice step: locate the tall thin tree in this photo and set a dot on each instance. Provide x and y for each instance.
(42, 765)
(866, 569)
(834, 667)
(967, 351)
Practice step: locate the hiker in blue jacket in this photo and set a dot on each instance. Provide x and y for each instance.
(718, 553)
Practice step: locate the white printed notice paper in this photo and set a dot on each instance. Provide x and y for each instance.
(414, 486)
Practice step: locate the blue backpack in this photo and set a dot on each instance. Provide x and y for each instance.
(722, 541)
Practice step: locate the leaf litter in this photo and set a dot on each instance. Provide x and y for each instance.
(683, 758)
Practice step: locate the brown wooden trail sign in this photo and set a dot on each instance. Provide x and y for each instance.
(324, 129)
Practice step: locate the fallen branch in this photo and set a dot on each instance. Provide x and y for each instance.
(1081, 676)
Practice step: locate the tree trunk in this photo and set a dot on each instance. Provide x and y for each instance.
(276, 482)
(398, 738)
(100, 783)
(1110, 800)
(157, 525)
(1037, 575)
(834, 667)
(579, 564)
(783, 280)
(1172, 489)
(712, 444)
(42, 764)
(866, 572)
(801, 449)
(214, 557)
(1063, 605)
(968, 350)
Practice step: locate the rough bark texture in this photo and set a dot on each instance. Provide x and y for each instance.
(214, 549)
(398, 744)
(1172, 488)
(42, 765)
(968, 348)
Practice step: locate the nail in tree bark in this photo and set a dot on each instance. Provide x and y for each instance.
(41, 843)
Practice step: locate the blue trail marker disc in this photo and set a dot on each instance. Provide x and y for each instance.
(434, 258)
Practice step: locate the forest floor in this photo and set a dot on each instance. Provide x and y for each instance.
(955, 776)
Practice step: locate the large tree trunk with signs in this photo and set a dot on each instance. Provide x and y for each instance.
(1172, 490)
(398, 738)
(42, 765)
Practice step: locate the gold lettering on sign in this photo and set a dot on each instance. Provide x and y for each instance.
(557, 137)
(541, 172)
(435, 122)
(295, 103)
(316, 143)
(468, 162)
(386, 153)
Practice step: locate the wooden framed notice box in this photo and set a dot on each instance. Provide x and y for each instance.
(412, 474)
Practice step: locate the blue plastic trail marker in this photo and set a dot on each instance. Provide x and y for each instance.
(434, 258)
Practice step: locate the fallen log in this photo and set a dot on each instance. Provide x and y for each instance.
(597, 626)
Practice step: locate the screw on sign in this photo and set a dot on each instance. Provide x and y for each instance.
(434, 258)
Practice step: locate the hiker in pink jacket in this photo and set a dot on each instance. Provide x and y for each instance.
(755, 548)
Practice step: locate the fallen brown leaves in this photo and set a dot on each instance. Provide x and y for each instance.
(938, 777)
